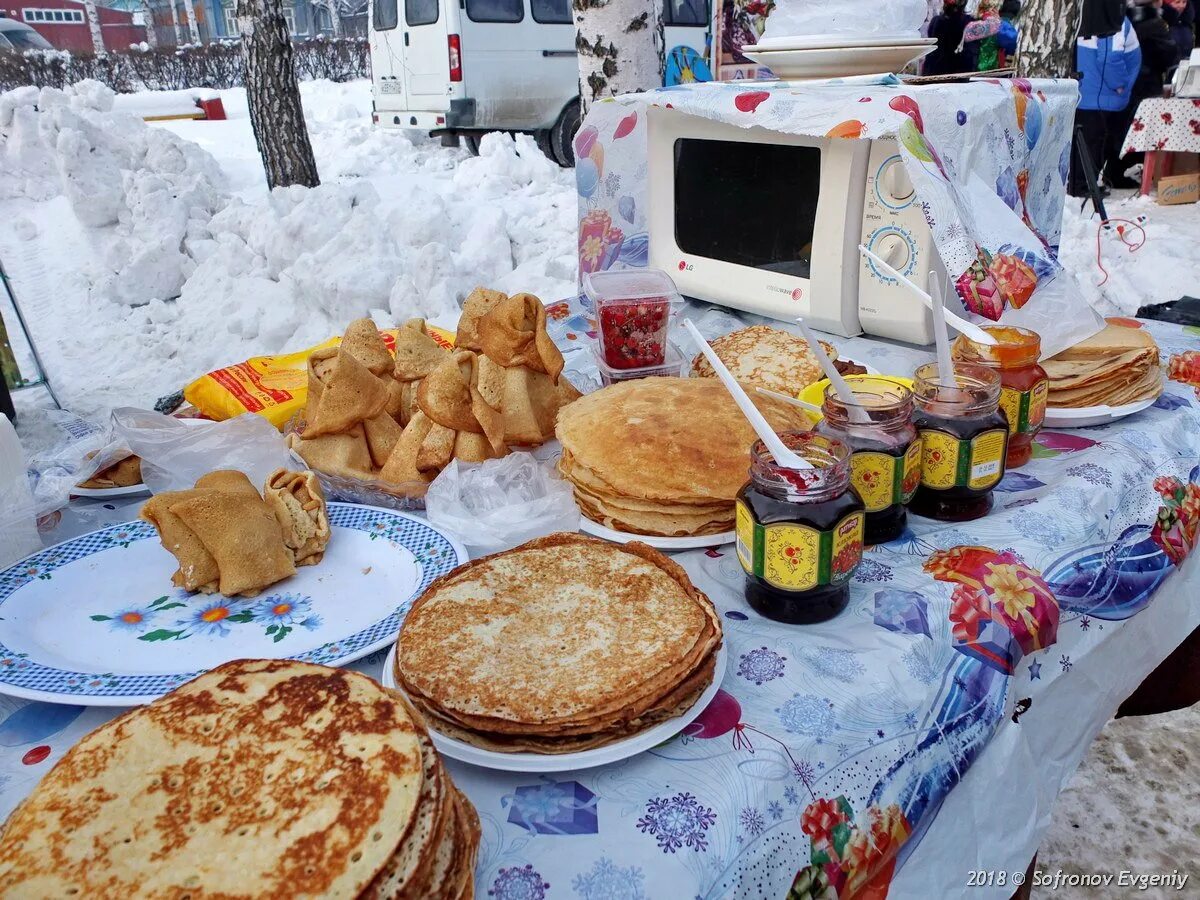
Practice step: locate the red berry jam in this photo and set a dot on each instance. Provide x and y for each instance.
(634, 334)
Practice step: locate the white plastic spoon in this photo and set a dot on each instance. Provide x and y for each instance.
(783, 456)
(845, 394)
(941, 339)
(970, 329)
(775, 395)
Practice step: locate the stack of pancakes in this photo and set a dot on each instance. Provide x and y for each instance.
(762, 356)
(1118, 366)
(662, 456)
(563, 644)
(262, 778)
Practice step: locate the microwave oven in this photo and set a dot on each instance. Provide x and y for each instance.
(770, 223)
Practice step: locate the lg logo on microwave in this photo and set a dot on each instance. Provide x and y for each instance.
(796, 294)
(685, 266)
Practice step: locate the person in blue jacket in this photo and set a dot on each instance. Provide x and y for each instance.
(1109, 59)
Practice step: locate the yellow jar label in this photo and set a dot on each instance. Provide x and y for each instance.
(947, 461)
(987, 459)
(1025, 410)
(874, 478)
(939, 459)
(912, 471)
(794, 557)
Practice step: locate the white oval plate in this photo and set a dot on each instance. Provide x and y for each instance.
(569, 762)
(131, 490)
(700, 542)
(837, 41)
(95, 621)
(1086, 416)
(838, 62)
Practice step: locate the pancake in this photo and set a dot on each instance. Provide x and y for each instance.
(766, 357)
(176, 798)
(632, 639)
(1119, 365)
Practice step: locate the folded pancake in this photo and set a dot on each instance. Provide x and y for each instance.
(197, 570)
(363, 341)
(765, 357)
(345, 455)
(123, 473)
(348, 395)
(242, 535)
(230, 480)
(401, 470)
(382, 433)
(513, 333)
(417, 353)
(478, 304)
(321, 364)
(298, 502)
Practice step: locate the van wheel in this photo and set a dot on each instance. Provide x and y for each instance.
(470, 143)
(562, 134)
(545, 144)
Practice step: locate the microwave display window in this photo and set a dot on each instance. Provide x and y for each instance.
(747, 204)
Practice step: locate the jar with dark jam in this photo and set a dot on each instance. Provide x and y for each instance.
(800, 531)
(964, 441)
(1024, 385)
(885, 462)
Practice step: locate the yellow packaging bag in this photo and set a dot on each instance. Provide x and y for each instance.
(275, 387)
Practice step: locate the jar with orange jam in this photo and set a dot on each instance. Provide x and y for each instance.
(1024, 385)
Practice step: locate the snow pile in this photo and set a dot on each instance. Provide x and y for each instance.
(145, 190)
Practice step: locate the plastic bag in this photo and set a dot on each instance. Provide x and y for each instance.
(498, 504)
(56, 469)
(852, 18)
(18, 521)
(175, 453)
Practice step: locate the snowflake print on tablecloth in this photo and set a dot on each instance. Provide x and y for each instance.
(1039, 526)
(752, 821)
(519, 883)
(921, 664)
(608, 881)
(836, 662)
(1066, 663)
(1091, 473)
(910, 720)
(679, 821)
(870, 570)
(1085, 624)
(809, 715)
(775, 810)
(761, 665)
(804, 771)
(791, 795)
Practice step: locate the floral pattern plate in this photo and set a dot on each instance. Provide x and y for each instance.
(570, 762)
(95, 621)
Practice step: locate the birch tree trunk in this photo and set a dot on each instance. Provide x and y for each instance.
(175, 24)
(193, 29)
(151, 34)
(620, 45)
(274, 96)
(93, 20)
(1048, 32)
(335, 18)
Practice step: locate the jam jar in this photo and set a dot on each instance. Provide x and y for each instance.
(800, 531)
(1024, 386)
(964, 441)
(885, 465)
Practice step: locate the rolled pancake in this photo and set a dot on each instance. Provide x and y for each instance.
(242, 535)
(123, 473)
(298, 503)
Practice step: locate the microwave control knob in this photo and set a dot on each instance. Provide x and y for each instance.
(896, 182)
(894, 250)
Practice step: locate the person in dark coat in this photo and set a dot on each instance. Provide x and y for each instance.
(951, 56)
(1160, 54)
(1180, 16)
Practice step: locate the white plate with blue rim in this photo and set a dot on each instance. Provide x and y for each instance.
(95, 621)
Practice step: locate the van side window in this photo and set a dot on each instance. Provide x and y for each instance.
(420, 12)
(551, 12)
(685, 12)
(384, 16)
(495, 10)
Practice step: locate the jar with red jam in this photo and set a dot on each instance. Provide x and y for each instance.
(800, 531)
(1024, 385)
(964, 441)
(633, 308)
(885, 462)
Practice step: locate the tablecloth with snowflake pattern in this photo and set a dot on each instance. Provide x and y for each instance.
(921, 734)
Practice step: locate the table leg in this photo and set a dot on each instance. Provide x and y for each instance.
(1175, 684)
(1148, 172)
(1025, 891)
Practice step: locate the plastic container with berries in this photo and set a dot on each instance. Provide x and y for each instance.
(670, 367)
(634, 309)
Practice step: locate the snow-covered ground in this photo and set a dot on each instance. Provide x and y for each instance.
(101, 216)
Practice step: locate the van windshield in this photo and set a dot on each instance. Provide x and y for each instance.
(26, 39)
(384, 15)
